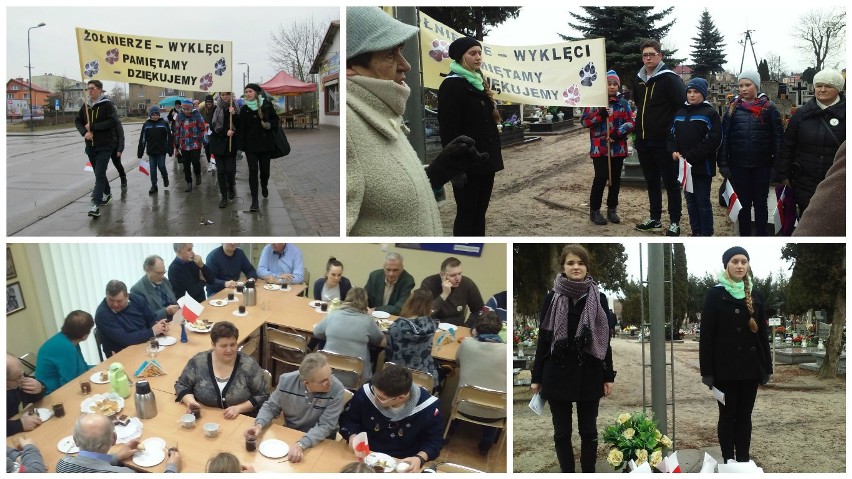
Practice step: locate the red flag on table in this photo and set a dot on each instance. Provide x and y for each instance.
(190, 308)
(733, 201)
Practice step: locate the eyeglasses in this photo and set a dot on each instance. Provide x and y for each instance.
(382, 401)
(92, 88)
(649, 55)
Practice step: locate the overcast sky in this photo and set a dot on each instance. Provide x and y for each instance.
(772, 25)
(54, 46)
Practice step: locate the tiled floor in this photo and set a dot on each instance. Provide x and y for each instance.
(461, 448)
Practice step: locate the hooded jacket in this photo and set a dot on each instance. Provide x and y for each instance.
(156, 137)
(751, 140)
(657, 98)
(101, 115)
(620, 125)
(410, 344)
(190, 130)
(697, 133)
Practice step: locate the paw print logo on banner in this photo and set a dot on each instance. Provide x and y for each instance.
(111, 56)
(588, 74)
(571, 95)
(440, 50)
(206, 82)
(221, 66)
(91, 68)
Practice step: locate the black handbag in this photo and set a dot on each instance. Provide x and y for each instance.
(282, 146)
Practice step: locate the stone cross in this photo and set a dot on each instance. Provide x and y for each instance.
(798, 90)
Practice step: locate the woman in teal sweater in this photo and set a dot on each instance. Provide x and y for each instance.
(59, 358)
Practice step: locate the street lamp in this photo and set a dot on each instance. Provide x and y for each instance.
(248, 74)
(30, 70)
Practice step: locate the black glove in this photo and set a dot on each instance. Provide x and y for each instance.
(459, 181)
(708, 381)
(764, 380)
(440, 194)
(457, 157)
(725, 171)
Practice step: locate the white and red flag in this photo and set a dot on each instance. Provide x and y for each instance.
(733, 201)
(88, 166)
(684, 175)
(190, 308)
(145, 167)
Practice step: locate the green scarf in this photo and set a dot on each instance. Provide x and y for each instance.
(474, 78)
(254, 104)
(737, 290)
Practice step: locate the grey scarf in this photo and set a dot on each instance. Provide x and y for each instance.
(406, 410)
(593, 319)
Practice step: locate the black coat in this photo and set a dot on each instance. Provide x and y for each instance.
(808, 149)
(155, 137)
(728, 350)
(220, 144)
(697, 133)
(750, 141)
(253, 138)
(657, 101)
(560, 375)
(103, 119)
(464, 110)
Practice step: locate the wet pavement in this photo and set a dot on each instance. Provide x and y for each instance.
(48, 193)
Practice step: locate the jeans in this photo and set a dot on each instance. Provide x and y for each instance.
(656, 162)
(257, 163)
(734, 427)
(192, 157)
(99, 158)
(157, 162)
(227, 166)
(587, 415)
(752, 188)
(601, 176)
(698, 205)
(472, 204)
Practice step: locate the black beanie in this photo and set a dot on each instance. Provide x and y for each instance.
(208, 98)
(731, 252)
(460, 46)
(255, 87)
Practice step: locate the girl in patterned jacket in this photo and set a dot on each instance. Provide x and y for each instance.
(608, 130)
(189, 136)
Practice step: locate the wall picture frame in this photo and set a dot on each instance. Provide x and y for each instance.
(14, 298)
(10, 265)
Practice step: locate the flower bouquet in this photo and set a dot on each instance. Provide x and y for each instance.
(635, 436)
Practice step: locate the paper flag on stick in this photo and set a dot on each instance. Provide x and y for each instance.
(190, 308)
(88, 166)
(144, 167)
(670, 464)
(733, 201)
(684, 175)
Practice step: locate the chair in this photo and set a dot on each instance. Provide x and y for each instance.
(249, 347)
(99, 341)
(286, 348)
(267, 378)
(352, 368)
(483, 398)
(28, 361)
(307, 281)
(450, 467)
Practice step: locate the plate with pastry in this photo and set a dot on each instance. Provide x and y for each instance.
(105, 404)
(99, 377)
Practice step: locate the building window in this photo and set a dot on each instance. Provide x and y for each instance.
(10, 96)
(15, 88)
(163, 94)
(26, 96)
(332, 97)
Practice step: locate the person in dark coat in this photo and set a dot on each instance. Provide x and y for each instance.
(466, 107)
(734, 351)
(827, 217)
(21, 389)
(96, 122)
(156, 138)
(751, 148)
(223, 145)
(257, 122)
(573, 361)
(812, 138)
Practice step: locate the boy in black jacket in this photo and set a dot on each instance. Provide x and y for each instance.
(96, 122)
(695, 136)
(157, 137)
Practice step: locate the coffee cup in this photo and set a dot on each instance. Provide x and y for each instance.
(187, 421)
(239, 288)
(230, 296)
(323, 306)
(242, 309)
(211, 429)
(85, 387)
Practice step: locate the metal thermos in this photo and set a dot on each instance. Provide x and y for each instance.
(146, 404)
(249, 294)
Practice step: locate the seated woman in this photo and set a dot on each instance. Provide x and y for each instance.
(59, 358)
(222, 377)
(351, 331)
(482, 362)
(410, 337)
(225, 462)
(333, 284)
(400, 418)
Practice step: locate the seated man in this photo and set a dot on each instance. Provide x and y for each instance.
(482, 362)
(124, 319)
(227, 262)
(156, 288)
(20, 390)
(388, 288)
(311, 400)
(400, 418)
(28, 459)
(497, 303)
(95, 434)
(59, 358)
(452, 292)
(188, 273)
(281, 263)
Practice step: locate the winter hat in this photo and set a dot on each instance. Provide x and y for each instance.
(752, 76)
(699, 84)
(154, 109)
(177, 102)
(612, 76)
(186, 102)
(460, 46)
(208, 98)
(731, 252)
(255, 87)
(370, 29)
(830, 77)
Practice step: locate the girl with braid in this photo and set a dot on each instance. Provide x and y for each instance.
(573, 360)
(734, 351)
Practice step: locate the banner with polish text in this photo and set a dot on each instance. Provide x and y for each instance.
(194, 65)
(571, 74)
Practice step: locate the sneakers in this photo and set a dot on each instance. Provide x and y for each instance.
(94, 211)
(597, 218)
(264, 191)
(650, 225)
(674, 230)
(166, 181)
(153, 190)
(106, 200)
(611, 216)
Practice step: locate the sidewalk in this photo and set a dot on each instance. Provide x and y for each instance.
(301, 201)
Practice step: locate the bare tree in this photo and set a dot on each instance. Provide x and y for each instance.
(293, 48)
(777, 68)
(822, 33)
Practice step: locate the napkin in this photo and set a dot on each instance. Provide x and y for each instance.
(149, 369)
